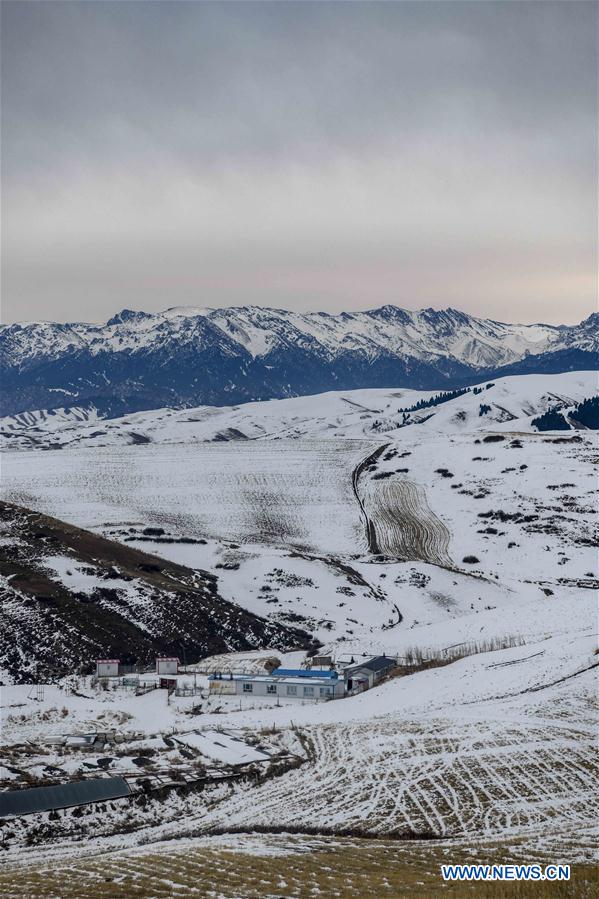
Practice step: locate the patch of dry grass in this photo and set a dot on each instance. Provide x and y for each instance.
(299, 868)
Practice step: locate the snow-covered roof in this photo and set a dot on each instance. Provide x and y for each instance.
(372, 665)
(256, 661)
(378, 663)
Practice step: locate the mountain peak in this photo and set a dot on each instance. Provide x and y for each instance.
(448, 314)
(201, 355)
(390, 312)
(128, 315)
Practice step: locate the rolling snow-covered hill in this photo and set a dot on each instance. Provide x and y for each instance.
(190, 356)
(283, 520)
(508, 403)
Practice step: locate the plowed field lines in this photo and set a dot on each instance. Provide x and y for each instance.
(400, 522)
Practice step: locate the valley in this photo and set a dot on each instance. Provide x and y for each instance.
(461, 544)
(299, 460)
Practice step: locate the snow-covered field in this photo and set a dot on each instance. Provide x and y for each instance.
(464, 530)
(521, 505)
(498, 746)
(297, 493)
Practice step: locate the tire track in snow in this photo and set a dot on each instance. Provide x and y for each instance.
(447, 778)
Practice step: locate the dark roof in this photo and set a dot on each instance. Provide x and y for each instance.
(44, 799)
(380, 663)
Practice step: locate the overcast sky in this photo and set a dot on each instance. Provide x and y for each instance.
(301, 155)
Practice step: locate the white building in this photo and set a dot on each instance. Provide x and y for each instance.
(309, 686)
(365, 674)
(167, 665)
(107, 667)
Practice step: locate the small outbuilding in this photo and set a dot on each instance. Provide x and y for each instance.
(367, 673)
(167, 665)
(107, 667)
(321, 662)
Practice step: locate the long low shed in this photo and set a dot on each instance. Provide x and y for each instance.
(287, 686)
(47, 799)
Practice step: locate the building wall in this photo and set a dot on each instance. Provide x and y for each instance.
(107, 669)
(361, 674)
(167, 666)
(308, 692)
(283, 690)
(224, 687)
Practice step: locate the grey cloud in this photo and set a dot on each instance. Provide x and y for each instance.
(199, 80)
(154, 153)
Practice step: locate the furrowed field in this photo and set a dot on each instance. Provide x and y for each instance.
(294, 493)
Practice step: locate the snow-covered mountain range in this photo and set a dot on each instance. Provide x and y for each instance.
(190, 356)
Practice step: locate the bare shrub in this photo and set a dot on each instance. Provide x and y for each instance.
(419, 657)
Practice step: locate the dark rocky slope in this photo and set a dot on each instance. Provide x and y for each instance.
(110, 601)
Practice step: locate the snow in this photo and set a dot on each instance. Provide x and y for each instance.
(67, 572)
(223, 747)
(496, 746)
(334, 601)
(364, 414)
(298, 494)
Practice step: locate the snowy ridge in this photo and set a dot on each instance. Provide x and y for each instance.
(422, 334)
(50, 418)
(508, 403)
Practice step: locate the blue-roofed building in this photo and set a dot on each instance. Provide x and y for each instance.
(283, 683)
